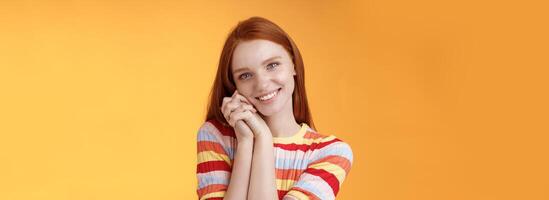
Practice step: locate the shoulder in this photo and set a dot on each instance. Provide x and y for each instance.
(212, 132)
(329, 145)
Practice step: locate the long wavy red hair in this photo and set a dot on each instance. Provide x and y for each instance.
(224, 85)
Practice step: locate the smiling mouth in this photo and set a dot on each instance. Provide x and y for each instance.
(268, 96)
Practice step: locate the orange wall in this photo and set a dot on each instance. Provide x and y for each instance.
(438, 99)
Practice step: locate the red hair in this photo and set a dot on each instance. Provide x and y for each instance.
(224, 85)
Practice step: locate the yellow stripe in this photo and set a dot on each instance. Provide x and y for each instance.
(303, 141)
(328, 138)
(299, 195)
(306, 141)
(294, 138)
(284, 184)
(206, 156)
(213, 194)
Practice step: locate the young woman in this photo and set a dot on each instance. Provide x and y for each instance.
(258, 140)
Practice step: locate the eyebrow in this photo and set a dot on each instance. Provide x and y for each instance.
(262, 63)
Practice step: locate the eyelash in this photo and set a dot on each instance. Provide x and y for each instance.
(273, 63)
(241, 77)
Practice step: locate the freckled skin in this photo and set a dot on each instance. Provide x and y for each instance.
(261, 79)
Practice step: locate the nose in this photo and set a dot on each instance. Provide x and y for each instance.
(262, 82)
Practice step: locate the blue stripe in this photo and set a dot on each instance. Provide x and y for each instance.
(338, 149)
(204, 135)
(308, 186)
(285, 163)
(205, 180)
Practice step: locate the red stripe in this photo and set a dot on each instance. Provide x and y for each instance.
(326, 176)
(305, 147)
(210, 146)
(335, 160)
(213, 166)
(312, 135)
(224, 130)
(292, 174)
(211, 189)
(281, 193)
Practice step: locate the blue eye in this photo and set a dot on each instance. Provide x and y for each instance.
(244, 76)
(272, 65)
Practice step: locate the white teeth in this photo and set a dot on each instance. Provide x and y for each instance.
(268, 96)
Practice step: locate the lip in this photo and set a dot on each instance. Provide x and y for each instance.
(257, 98)
(266, 93)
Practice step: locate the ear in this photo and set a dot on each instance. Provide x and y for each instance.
(293, 71)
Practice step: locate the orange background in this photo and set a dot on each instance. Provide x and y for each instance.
(438, 99)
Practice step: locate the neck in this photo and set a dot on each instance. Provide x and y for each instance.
(283, 124)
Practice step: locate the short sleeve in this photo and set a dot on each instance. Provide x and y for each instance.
(323, 177)
(213, 164)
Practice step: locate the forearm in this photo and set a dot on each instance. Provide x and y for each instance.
(240, 175)
(263, 177)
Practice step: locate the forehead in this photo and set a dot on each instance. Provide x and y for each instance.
(252, 53)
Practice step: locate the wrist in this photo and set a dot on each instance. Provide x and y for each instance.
(245, 140)
(264, 137)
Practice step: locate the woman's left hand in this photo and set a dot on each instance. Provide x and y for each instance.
(258, 126)
(256, 123)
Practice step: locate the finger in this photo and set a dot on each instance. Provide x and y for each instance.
(241, 108)
(243, 126)
(235, 116)
(239, 99)
(225, 101)
(227, 117)
(253, 120)
(244, 107)
(224, 105)
(247, 116)
(225, 110)
(234, 100)
(229, 108)
(242, 99)
(249, 107)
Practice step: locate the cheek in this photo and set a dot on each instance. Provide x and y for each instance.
(244, 90)
(287, 80)
(283, 76)
(290, 86)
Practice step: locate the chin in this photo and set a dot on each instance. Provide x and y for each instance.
(268, 111)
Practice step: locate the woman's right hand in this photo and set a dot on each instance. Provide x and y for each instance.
(235, 109)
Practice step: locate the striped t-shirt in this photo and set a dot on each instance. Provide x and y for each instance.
(308, 165)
